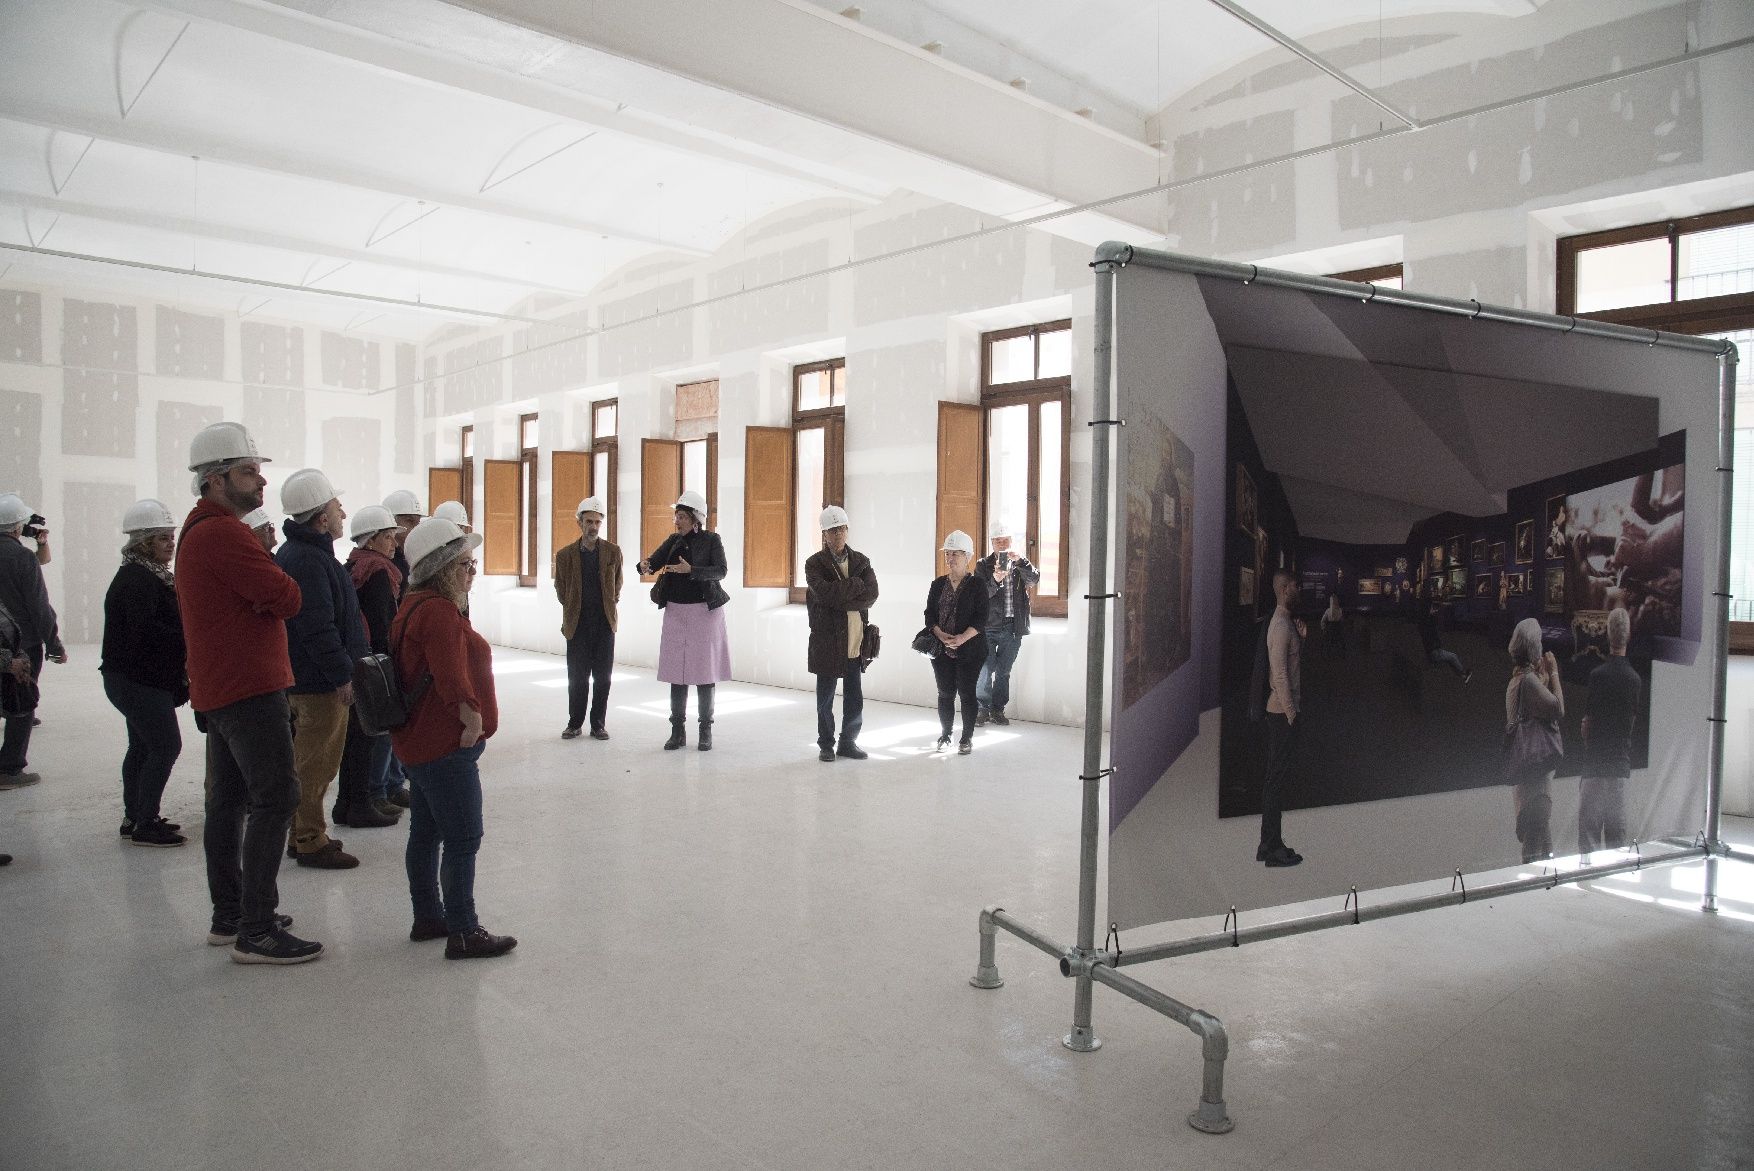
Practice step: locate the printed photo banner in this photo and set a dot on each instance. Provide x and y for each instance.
(1414, 487)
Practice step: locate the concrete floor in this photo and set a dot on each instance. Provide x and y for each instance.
(748, 959)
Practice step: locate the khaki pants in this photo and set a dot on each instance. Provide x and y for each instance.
(319, 733)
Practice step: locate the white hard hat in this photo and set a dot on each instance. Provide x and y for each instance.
(453, 511)
(693, 502)
(371, 520)
(256, 518)
(958, 542)
(305, 491)
(145, 515)
(13, 510)
(834, 517)
(998, 530)
(402, 502)
(434, 544)
(591, 504)
(220, 442)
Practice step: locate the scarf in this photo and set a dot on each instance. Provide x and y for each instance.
(363, 562)
(162, 572)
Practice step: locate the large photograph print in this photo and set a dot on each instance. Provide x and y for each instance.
(1157, 557)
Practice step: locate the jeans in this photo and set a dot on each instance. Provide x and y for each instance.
(1443, 658)
(362, 756)
(956, 681)
(590, 656)
(446, 809)
(1601, 814)
(1532, 799)
(154, 743)
(319, 736)
(994, 690)
(1281, 755)
(251, 793)
(852, 707)
(377, 787)
(16, 741)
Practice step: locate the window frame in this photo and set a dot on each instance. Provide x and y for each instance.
(1375, 274)
(529, 492)
(1031, 393)
(466, 445)
(832, 421)
(610, 445)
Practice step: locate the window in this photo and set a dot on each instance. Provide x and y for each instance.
(466, 489)
(527, 481)
(697, 427)
(819, 411)
(1695, 276)
(1386, 275)
(1026, 391)
(605, 419)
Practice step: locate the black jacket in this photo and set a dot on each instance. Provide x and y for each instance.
(705, 554)
(832, 597)
(25, 596)
(1024, 575)
(326, 635)
(971, 610)
(143, 632)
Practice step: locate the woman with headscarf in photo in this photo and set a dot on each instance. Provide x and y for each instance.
(144, 669)
(694, 649)
(956, 614)
(1534, 703)
(447, 671)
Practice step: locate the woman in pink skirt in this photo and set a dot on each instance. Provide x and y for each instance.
(694, 648)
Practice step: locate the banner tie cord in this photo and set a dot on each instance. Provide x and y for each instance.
(1098, 775)
(1638, 853)
(1114, 933)
(1099, 597)
(1232, 921)
(1352, 901)
(1106, 423)
(1458, 880)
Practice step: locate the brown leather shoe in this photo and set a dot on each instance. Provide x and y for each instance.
(330, 857)
(477, 944)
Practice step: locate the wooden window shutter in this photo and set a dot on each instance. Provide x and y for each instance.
(660, 483)
(961, 429)
(501, 479)
(443, 484)
(712, 473)
(569, 480)
(767, 506)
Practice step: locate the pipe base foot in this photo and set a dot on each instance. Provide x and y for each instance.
(1211, 1118)
(1082, 1040)
(986, 977)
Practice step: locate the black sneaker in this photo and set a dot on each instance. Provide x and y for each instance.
(943, 744)
(825, 755)
(400, 797)
(599, 733)
(220, 934)
(570, 732)
(275, 946)
(997, 716)
(153, 833)
(19, 780)
(851, 751)
(981, 717)
(477, 944)
(964, 747)
(127, 829)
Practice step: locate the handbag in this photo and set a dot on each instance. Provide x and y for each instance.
(1531, 746)
(926, 642)
(870, 645)
(18, 697)
(380, 702)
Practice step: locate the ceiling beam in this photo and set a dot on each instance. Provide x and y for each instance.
(189, 143)
(204, 230)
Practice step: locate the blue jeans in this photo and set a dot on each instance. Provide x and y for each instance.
(377, 776)
(154, 743)
(446, 809)
(852, 707)
(993, 691)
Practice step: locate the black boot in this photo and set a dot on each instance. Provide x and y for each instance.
(678, 717)
(705, 692)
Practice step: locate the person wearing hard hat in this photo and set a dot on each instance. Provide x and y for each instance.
(441, 659)
(956, 614)
(26, 598)
(405, 507)
(453, 511)
(693, 648)
(362, 795)
(259, 522)
(587, 579)
(234, 601)
(840, 586)
(1008, 577)
(145, 669)
(324, 640)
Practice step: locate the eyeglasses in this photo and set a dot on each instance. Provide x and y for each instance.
(473, 566)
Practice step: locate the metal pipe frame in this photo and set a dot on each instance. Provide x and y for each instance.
(1211, 1116)
(1736, 854)
(1720, 628)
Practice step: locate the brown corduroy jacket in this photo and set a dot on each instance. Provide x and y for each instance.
(568, 588)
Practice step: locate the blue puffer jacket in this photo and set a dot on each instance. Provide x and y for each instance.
(326, 635)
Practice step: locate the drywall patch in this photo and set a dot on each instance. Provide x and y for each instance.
(97, 412)
(350, 363)
(552, 356)
(474, 375)
(21, 444)
(350, 458)
(1497, 276)
(99, 336)
(1249, 211)
(275, 416)
(190, 345)
(647, 331)
(89, 537)
(430, 386)
(953, 278)
(21, 326)
(271, 355)
(763, 318)
(176, 425)
(407, 437)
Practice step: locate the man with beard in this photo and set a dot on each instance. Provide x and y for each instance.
(234, 602)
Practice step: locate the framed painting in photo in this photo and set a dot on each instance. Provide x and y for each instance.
(1261, 567)
(1369, 586)
(1497, 558)
(1434, 559)
(1245, 587)
(1400, 565)
(1246, 510)
(1455, 552)
(1485, 586)
(1556, 526)
(1517, 583)
(1458, 583)
(1525, 541)
(1553, 591)
(1477, 552)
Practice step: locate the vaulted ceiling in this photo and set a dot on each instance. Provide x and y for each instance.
(395, 166)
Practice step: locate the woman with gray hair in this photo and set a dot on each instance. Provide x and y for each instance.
(447, 671)
(1534, 703)
(144, 669)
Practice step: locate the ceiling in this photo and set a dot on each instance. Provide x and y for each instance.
(397, 166)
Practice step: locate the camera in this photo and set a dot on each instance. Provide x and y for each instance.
(30, 528)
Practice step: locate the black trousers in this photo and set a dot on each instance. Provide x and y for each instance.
(15, 741)
(590, 656)
(154, 742)
(957, 680)
(252, 791)
(1281, 757)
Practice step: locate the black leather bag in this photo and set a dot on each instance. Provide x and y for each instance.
(18, 697)
(378, 698)
(870, 645)
(926, 642)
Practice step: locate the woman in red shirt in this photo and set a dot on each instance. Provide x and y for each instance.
(447, 670)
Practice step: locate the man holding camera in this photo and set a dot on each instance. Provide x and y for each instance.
(1008, 577)
(24, 596)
